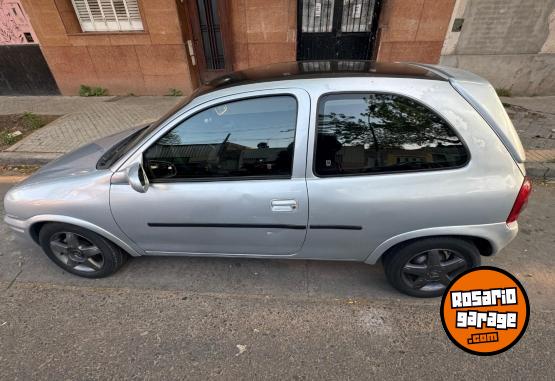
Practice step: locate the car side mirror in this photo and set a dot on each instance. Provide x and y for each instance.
(137, 178)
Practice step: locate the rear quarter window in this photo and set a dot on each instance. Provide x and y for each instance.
(371, 133)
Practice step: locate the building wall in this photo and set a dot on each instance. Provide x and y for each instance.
(413, 30)
(266, 31)
(14, 24)
(509, 42)
(23, 69)
(263, 32)
(149, 62)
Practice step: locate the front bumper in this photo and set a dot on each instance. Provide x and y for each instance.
(23, 229)
(19, 226)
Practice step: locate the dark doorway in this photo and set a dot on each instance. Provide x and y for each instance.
(24, 71)
(337, 29)
(210, 30)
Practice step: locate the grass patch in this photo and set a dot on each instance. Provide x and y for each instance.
(175, 93)
(8, 138)
(15, 127)
(92, 91)
(32, 121)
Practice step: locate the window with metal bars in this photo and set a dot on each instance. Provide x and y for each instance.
(108, 15)
(317, 16)
(357, 16)
(210, 28)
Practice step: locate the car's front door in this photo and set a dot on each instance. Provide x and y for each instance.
(227, 179)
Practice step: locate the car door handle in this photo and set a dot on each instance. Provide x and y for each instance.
(284, 205)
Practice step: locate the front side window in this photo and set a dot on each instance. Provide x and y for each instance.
(108, 15)
(246, 138)
(377, 133)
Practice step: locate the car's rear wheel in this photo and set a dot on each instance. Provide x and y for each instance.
(424, 268)
(80, 251)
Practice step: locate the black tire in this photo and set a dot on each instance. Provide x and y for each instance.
(413, 268)
(109, 260)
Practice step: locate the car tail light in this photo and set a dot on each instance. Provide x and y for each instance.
(521, 200)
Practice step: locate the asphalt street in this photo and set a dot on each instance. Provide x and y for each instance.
(202, 318)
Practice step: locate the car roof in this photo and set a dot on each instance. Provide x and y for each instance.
(319, 70)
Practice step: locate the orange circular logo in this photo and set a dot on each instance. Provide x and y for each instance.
(485, 311)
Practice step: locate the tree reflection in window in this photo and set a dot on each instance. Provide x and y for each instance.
(382, 133)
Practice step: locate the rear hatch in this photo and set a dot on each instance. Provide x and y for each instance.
(481, 95)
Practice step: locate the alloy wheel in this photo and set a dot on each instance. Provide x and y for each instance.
(433, 270)
(76, 252)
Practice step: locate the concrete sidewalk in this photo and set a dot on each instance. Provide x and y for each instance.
(87, 119)
(534, 119)
(47, 105)
(83, 120)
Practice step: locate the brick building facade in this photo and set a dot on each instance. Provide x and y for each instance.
(23, 69)
(150, 46)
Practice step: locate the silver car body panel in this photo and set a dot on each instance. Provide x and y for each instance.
(386, 209)
(240, 203)
(80, 198)
(498, 235)
(23, 227)
(483, 97)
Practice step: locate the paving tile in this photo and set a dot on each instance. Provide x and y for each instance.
(46, 105)
(96, 120)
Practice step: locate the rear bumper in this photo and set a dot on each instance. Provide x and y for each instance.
(498, 235)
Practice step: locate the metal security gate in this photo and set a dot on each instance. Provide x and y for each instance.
(336, 29)
(211, 37)
(24, 71)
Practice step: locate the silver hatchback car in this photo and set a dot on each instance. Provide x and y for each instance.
(413, 165)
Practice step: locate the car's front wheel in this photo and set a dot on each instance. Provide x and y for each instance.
(80, 251)
(424, 268)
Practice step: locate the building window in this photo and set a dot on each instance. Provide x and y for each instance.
(317, 16)
(361, 134)
(108, 15)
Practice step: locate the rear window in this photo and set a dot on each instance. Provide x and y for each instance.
(382, 133)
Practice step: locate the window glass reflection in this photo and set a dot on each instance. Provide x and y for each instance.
(253, 137)
(382, 133)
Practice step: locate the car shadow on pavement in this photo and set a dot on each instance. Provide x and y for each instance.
(237, 276)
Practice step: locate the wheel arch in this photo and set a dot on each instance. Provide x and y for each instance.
(489, 239)
(483, 245)
(36, 224)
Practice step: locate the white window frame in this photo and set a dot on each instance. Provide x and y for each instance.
(105, 17)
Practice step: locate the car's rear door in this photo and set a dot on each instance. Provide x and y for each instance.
(228, 178)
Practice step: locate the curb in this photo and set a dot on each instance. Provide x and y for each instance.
(27, 158)
(12, 179)
(541, 171)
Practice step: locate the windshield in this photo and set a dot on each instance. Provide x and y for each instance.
(121, 148)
